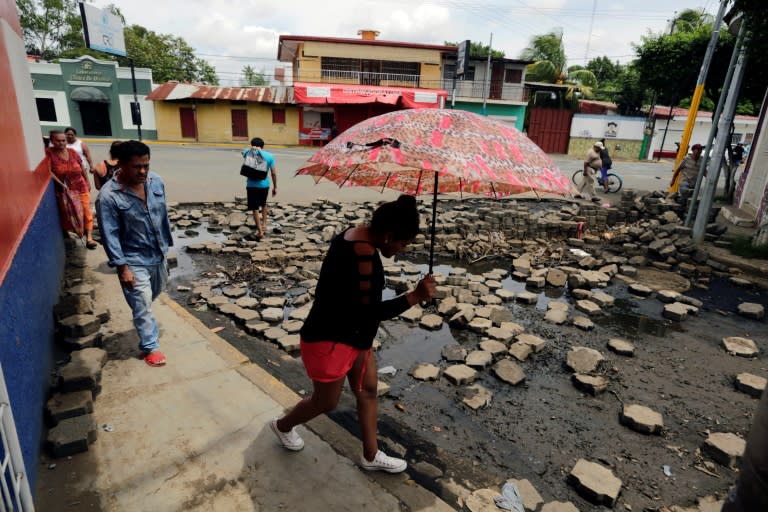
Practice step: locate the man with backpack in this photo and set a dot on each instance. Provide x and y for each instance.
(258, 189)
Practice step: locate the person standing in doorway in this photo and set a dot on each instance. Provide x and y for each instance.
(136, 233)
(258, 190)
(337, 336)
(80, 147)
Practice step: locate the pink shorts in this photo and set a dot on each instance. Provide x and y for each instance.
(329, 361)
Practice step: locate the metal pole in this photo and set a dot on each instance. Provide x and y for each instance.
(453, 92)
(698, 92)
(589, 35)
(487, 75)
(729, 110)
(434, 219)
(137, 114)
(715, 121)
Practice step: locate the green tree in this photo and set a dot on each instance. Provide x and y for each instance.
(546, 48)
(479, 50)
(692, 20)
(253, 78)
(50, 27)
(604, 69)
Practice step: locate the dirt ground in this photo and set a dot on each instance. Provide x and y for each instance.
(539, 430)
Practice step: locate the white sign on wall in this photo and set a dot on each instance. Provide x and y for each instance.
(103, 30)
(591, 126)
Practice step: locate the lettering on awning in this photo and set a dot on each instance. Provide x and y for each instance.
(318, 92)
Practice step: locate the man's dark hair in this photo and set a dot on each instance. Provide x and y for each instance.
(54, 132)
(401, 218)
(697, 146)
(257, 142)
(130, 148)
(70, 129)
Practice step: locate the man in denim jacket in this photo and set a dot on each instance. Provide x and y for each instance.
(136, 234)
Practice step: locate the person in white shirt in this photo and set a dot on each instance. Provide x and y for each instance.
(80, 147)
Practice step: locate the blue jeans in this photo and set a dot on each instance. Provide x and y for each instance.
(150, 282)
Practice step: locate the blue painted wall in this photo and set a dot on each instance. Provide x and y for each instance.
(27, 296)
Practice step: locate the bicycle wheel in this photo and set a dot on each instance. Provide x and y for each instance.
(614, 182)
(577, 178)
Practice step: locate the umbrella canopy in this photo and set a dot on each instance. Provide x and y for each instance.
(467, 153)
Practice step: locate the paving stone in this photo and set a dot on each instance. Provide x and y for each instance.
(234, 292)
(69, 405)
(81, 289)
(431, 322)
(520, 351)
(83, 371)
(505, 295)
(685, 299)
(73, 305)
(751, 310)
(497, 333)
(750, 384)
(492, 300)
(465, 296)
(641, 419)
(481, 500)
(527, 298)
(628, 270)
(448, 306)
(640, 290)
(382, 388)
(290, 343)
(103, 314)
(595, 483)
(602, 299)
(556, 316)
(514, 327)
(739, 346)
(247, 315)
(476, 397)
(668, 296)
(724, 448)
(292, 326)
(273, 302)
(562, 306)
(581, 293)
(230, 309)
(589, 307)
(621, 347)
(493, 346)
(77, 326)
(589, 384)
(217, 301)
(272, 314)
(740, 281)
(247, 302)
(676, 311)
(584, 360)
(299, 314)
(412, 314)
(425, 371)
(537, 344)
(454, 353)
(583, 323)
(256, 327)
(500, 315)
(92, 340)
(530, 496)
(484, 312)
(559, 506)
(710, 504)
(536, 282)
(479, 359)
(463, 316)
(460, 374)
(509, 372)
(72, 435)
(480, 325)
(556, 278)
(274, 333)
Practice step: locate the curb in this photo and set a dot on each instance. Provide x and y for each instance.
(233, 145)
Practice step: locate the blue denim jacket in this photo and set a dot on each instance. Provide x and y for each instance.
(134, 233)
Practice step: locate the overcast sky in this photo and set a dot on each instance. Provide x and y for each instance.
(233, 33)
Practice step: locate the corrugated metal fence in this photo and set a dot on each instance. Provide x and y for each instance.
(550, 129)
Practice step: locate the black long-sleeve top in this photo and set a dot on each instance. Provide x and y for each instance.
(348, 306)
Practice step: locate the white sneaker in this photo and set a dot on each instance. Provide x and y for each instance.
(290, 440)
(383, 462)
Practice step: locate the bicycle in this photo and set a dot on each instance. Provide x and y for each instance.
(614, 180)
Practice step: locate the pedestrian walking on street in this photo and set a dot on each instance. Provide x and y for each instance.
(136, 233)
(258, 190)
(606, 164)
(738, 154)
(337, 336)
(80, 147)
(592, 164)
(105, 170)
(688, 170)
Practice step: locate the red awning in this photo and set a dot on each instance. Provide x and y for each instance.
(343, 93)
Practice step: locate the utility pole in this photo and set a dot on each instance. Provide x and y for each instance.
(589, 35)
(729, 110)
(487, 92)
(698, 92)
(713, 131)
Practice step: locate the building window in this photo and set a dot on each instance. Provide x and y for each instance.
(278, 116)
(336, 67)
(448, 71)
(513, 76)
(469, 73)
(400, 68)
(46, 110)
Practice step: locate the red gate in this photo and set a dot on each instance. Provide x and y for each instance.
(188, 123)
(550, 129)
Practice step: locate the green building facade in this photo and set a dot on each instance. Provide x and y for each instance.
(94, 97)
(509, 113)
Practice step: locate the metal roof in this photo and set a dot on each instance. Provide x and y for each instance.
(177, 91)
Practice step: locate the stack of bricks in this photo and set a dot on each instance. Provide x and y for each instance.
(81, 332)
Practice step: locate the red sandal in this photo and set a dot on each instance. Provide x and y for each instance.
(155, 358)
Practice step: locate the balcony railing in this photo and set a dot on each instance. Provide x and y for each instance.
(477, 89)
(369, 78)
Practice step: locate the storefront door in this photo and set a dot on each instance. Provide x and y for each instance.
(239, 125)
(95, 117)
(188, 123)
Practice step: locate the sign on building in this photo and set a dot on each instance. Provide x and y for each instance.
(462, 57)
(103, 30)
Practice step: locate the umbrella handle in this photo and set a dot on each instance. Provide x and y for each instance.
(434, 218)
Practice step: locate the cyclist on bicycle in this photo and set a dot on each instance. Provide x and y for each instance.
(607, 163)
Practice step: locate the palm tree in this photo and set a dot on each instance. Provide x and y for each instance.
(549, 55)
(692, 20)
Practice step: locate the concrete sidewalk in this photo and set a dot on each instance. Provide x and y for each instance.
(194, 435)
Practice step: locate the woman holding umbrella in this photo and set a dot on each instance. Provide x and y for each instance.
(337, 336)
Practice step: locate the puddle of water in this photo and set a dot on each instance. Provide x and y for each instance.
(185, 266)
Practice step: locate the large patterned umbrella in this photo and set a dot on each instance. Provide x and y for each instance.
(431, 151)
